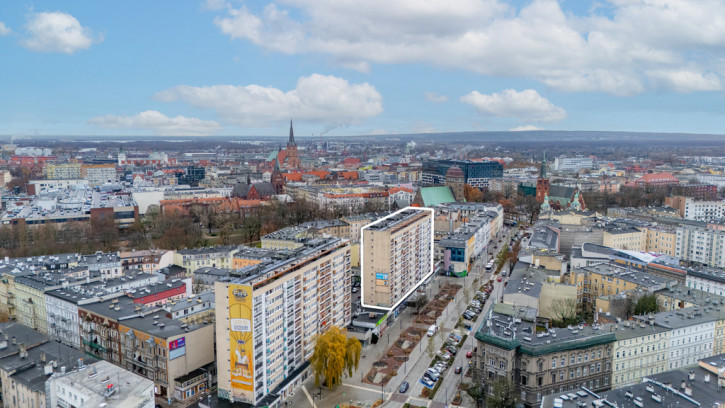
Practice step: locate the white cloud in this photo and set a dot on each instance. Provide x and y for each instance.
(525, 105)
(159, 123)
(525, 128)
(316, 98)
(4, 30)
(685, 80)
(608, 51)
(435, 97)
(57, 32)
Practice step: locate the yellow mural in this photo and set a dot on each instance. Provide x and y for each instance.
(241, 346)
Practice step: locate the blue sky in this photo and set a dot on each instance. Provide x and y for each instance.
(345, 67)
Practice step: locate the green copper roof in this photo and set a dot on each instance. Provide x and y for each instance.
(433, 196)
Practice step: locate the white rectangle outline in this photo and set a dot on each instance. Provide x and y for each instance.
(362, 257)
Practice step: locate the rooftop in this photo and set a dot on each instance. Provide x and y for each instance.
(399, 220)
(93, 381)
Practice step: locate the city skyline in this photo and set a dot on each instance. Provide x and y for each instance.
(339, 68)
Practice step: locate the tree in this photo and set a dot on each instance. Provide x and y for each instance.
(503, 394)
(502, 257)
(334, 354)
(420, 301)
(513, 256)
(646, 304)
(472, 194)
(564, 312)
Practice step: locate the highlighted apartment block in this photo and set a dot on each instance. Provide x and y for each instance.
(396, 256)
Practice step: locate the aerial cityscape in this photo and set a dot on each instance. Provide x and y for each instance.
(331, 204)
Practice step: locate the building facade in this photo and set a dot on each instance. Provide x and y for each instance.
(267, 316)
(396, 256)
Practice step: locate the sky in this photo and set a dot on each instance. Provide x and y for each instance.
(351, 67)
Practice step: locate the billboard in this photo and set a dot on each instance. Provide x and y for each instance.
(241, 345)
(177, 348)
(383, 276)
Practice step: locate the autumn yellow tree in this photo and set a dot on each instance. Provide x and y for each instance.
(334, 353)
(472, 194)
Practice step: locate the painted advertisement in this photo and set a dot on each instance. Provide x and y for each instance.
(383, 276)
(241, 343)
(177, 348)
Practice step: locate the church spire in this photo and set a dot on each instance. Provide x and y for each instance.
(291, 134)
(542, 172)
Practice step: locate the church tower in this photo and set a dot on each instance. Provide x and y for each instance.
(542, 183)
(277, 178)
(292, 160)
(455, 179)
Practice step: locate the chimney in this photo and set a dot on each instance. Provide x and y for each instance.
(683, 384)
(14, 341)
(691, 376)
(21, 350)
(42, 357)
(688, 390)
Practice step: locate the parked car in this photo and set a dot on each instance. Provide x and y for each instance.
(403, 387)
(469, 354)
(467, 326)
(427, 381)
(453, 350)
(499, 279)
(354, 290)
(458, 370)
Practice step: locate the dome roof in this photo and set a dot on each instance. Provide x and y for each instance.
(454, 172)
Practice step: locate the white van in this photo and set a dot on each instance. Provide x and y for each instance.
(432, 330)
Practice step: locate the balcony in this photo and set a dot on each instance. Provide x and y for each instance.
(95, 345)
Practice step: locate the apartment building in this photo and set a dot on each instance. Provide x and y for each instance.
(396, 254)
(195, 258)
(147, 342)
(268, 314)
(610, 279)
(98, 174)
(701, 210)
(639, 350)
(573, 163)
(98, 386)
(65, 171)
(661, 240)
(541, 363)
(633, 239)
(148, 261)
(289, 238)
(692, 333)
(698, 242)
(710, 280)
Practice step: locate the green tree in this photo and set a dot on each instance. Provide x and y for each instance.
(503, 394)
(646, 304)
(334, 354)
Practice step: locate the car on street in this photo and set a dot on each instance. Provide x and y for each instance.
(430, 377)
(469, 354)
(427, 382)
(453, 350)
(468, 316)
(499, 279)
(403, 387)
(354, 290)
(458, 370)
